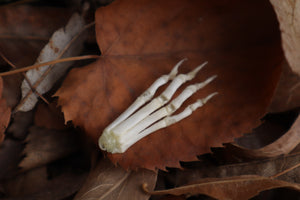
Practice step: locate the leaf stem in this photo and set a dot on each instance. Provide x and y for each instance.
(49, 63)
(285, 171)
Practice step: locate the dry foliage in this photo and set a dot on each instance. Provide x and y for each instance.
(95, 95)
(51, 151)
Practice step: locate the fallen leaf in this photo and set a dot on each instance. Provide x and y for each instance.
(49, 116)
(45, 146)
(107, 181)
(24, 31)
(45, 77)
(18, 128)
(19, 185)
(10, 156)
(5, 113)
(283, 145)
(172, 197)
(35, 185)
(235, 188)
(267, 168)
(287, 13)
(139, 46)
(287, 93)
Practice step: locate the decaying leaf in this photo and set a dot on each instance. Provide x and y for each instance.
(145, 40)
(35, 184)
(108, 182)
(24, 31)
(20, 124)
(5, 113)
(266, 168)
(235, 188)
(45, 146)
(49, 116)
(287, 94)
(288, 13)
(44, 77)
(281, 146)
(10, 156)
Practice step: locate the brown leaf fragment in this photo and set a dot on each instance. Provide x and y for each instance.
(5, 113)
(287, 93)
(35, 185)
(283, 145)
(139, 46)
(108, 182)
(266, 168)
(45, 77)
(235, 188)
(173, 197)
(19, 185)
(49, 116)
(45, 146)
(10, 156)
(288, 13)
(20, 124)
(24, 31)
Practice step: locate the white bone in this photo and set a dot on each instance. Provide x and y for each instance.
(132, 137)
(169, 120)
(157, 102)
(129, 128)
(146, 96)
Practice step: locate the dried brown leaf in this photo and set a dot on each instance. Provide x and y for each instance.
(139, 46)
(10, 156)
(235, 188)
(45, 77)
(45, 146)
(108, 182)
(266, 168)
(287, 94)
(35, 185)
(49, 116)
(288, 13)
(24, 31)
(285, 144)
(5, 113)
(20, 124)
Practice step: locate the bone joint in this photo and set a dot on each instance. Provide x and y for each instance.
(136, 122)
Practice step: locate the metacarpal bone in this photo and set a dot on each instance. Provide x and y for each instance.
(147, 95)
(157, 102)
(130, 127)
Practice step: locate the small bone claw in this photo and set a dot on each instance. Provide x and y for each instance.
(134, 124)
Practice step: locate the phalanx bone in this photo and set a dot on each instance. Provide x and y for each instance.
(129, 128)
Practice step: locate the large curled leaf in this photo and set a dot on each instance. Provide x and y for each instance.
(142, 40)
(288, 13)
(283, 145)
(108, 182)
(235, 188)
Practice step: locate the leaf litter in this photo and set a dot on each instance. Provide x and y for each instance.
(108, 181)
(93, 96)
(46, 76)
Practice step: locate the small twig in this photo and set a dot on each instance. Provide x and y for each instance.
(8, 61)
(26, 78)
(49, 63)
(19, 3)
(58, 57)
(26, 37)
(285, 171)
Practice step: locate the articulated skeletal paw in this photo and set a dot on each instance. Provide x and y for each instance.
(129, 128)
